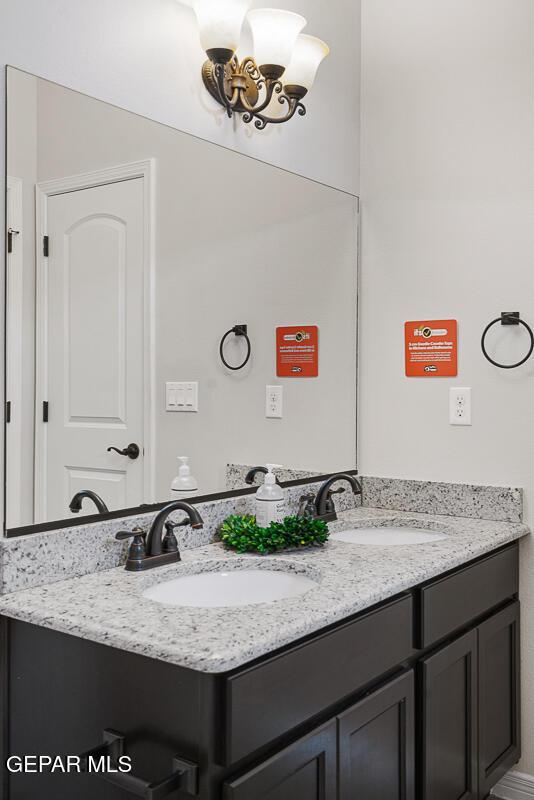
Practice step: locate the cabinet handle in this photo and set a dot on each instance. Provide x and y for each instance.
(183, 777)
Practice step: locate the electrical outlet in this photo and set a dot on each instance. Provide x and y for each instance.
(274, 397)
(460, 406)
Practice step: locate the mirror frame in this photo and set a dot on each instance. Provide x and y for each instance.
(43, 527)
(148, 508)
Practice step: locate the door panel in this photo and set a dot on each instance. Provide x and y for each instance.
(111, 485)
(450, 722)
(306, 770)
(377, 745)
(95, 292)
(92, 349)
(499, 676)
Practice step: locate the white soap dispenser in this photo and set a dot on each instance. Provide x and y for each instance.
(184, 485)
(270, 500)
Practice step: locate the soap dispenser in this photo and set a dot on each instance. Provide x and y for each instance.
(270, 500)
(184, 485)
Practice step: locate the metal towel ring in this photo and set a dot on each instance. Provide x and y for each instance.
(238, 330)
(508, 318)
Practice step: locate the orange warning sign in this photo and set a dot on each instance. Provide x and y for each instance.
(431, 348)
(297, 352)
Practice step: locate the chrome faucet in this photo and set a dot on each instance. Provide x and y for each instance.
(76, 502)
(157, 548)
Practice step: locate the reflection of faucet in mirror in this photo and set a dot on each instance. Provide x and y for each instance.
(251, 475)
(76, 502)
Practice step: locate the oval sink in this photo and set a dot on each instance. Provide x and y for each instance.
(230, 589)
(388, 537)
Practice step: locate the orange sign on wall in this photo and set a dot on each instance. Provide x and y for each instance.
(297, 352)
(431, 348)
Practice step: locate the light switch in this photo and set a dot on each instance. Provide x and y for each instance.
(274, 401)
(181, 396)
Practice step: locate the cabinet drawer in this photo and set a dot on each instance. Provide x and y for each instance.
(450, 603)
(267, 701)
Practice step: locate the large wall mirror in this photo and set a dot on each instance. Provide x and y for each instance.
(132, 249)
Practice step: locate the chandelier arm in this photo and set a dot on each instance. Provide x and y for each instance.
(294, 106)
(270, 88)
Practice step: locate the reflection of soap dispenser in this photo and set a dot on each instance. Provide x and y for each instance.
(184, 485)
(270, 500)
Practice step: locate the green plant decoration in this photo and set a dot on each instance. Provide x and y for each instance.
(242, 534)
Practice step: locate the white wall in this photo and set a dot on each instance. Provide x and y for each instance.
(448, 232)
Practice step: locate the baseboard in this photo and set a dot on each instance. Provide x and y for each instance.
(515, 786)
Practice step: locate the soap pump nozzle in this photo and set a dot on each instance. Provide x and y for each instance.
(270, 477)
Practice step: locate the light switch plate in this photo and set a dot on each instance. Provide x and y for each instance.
(274, 402)
(460, 406)
(181, 396)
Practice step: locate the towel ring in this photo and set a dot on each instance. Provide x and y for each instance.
(238, 330)
(508, 318)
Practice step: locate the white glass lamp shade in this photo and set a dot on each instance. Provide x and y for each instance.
(220, 22)
(274, 32)
(308, 54)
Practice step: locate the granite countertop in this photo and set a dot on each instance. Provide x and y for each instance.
(108, 607)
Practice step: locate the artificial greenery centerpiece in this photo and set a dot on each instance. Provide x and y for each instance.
(242, 534)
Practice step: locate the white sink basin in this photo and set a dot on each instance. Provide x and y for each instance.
(388, 537)
(230, 589)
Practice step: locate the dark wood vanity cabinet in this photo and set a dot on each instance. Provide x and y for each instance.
(376, 744)
(393, 704)
(305, 769)
(470, 733)
(499, 696)
(449, 735)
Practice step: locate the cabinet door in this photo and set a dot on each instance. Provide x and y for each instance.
(499, 713)
(376, 745)
(306, 770)
(450, 724)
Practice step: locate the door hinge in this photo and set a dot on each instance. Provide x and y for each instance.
(8, 412)
(45, 411)
(10, 233)
(46, 246)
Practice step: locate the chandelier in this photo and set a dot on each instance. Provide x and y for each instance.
(283, 65)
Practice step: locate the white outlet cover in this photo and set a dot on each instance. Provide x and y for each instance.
(274, 402)
(460, 406)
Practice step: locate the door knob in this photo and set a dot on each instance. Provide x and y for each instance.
(132, 451)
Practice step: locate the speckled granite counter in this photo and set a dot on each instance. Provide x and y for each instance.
(108, 607)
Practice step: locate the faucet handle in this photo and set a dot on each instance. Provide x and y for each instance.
(330, 506)
(133, 534)
(307, 506)
(170, 542)
(137, 551)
